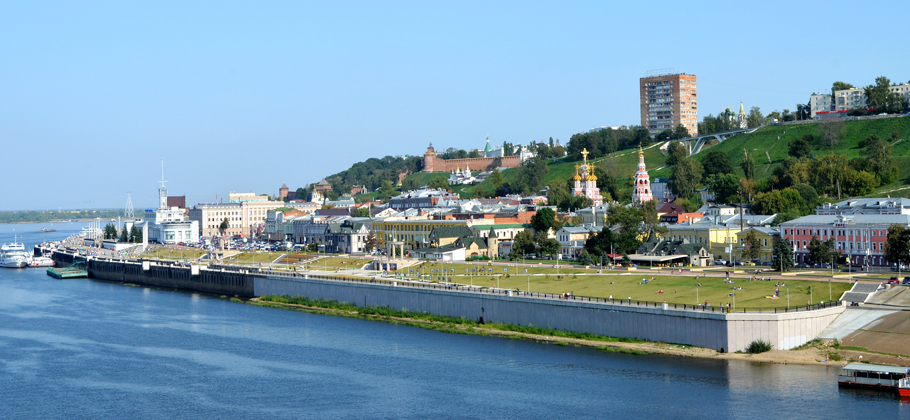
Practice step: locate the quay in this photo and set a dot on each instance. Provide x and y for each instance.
(711, 328)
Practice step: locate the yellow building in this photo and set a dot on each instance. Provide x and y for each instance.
(767, 238)
(716, 237)
(414, 233)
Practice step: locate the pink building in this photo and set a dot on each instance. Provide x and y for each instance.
(642, 187)
(586, 181)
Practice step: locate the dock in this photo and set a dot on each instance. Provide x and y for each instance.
(75, 270)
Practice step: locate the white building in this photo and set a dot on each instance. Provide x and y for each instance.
(820, 102)
(168, 225)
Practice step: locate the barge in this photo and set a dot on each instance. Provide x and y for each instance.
(864, 375)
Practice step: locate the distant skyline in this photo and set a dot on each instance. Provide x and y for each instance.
(245, 96)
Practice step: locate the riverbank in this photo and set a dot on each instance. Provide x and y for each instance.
(814, 354)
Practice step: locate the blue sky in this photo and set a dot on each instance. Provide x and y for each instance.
(244, 96)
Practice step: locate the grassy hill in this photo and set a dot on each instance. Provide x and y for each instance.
(768, 144)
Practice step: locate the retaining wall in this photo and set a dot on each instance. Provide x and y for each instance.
(730, 332)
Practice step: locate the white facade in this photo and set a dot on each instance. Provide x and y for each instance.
(820, 102)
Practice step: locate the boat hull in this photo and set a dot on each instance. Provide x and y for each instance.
(13, 264)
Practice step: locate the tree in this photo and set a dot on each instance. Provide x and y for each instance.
(363, 211)
(301, 194)
(496, 178)
(879, 160)
(751, 246)
(664, 135)
(386, 191)
(897, 247)
(124, 235)
(497, 162)
(716, 162)
(110, 231)
(684, 177)
(370, 244)
(600, 243)
(755, 118)
(313, 247)
(135, 234)
(821, 251)
(439, 183)
(523, 243)
(585, 258)
(724, 186)
(748, 165)
(681, 132)
(783, 255)
(839, 86)
(549, 246)
(800, 148)
(544, 220)
(530, 175)
(880, 97)
(831, 130)
(676, 151)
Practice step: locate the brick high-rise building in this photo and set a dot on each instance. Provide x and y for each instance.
(667, 101)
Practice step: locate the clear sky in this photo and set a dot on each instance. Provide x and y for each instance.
(244, 96)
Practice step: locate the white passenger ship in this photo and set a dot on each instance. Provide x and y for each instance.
(13, 255)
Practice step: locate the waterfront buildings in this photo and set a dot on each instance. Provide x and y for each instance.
(168, 225)
(861, 237)
(668, 100)
(244, 219)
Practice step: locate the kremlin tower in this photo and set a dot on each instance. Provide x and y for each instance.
(641, 192)
(586, 181)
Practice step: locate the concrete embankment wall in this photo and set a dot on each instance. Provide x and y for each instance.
(714, 330)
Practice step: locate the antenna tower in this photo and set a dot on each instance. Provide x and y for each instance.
(128, 213)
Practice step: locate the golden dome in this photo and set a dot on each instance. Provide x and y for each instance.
(577, 177)
(592, 177)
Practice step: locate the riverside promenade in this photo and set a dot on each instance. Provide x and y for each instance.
(708, 327)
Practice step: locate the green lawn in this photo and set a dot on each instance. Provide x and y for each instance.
(676, 289)
(332, 263)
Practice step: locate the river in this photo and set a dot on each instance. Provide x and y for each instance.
(91, 349)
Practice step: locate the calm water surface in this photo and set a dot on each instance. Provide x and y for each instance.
(89, 349)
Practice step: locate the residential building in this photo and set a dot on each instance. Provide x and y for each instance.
(347, 237)
(855, 98)
(767, 237)
(414, 233)
(420, 199)
(572, 240)
(668, 100)
(244, 197)
(861, 237)
(592, 216)
(865, 206)
(820, 102)
(718, 238)
(244, 219)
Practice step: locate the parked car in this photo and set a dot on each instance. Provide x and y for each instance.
(906, 280)
(720, 262)
(893, 280)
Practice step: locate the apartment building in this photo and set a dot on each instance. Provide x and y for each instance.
(246, 218)
(845, 100)
(861, 237)
(668, 100)
(820, 102)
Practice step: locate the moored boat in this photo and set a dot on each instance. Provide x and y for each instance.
(40, 262)
(863, 375)
(13, 255)
(903, 387)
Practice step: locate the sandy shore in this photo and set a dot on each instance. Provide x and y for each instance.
(807, 356)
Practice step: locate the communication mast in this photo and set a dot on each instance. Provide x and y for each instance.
(128, 212)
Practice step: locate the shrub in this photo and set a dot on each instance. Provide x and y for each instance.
(758, 346)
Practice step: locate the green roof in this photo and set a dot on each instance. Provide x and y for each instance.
(452, 231)
(488, 148)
